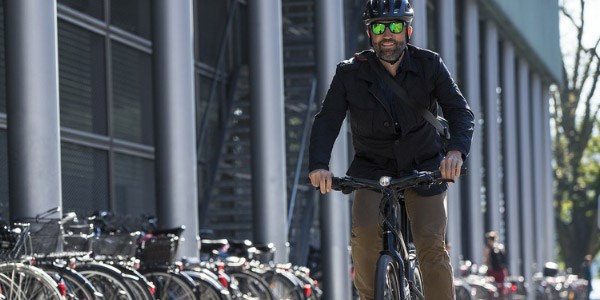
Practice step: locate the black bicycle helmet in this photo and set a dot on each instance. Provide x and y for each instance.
(377, 10)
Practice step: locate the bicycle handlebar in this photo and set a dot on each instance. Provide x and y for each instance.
(418, 178)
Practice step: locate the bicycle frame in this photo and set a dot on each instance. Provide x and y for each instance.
(396, 257)
(397, 236)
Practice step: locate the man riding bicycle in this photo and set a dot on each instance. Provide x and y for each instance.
(392, 137)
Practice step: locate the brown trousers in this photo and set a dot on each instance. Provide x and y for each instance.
(428, 220)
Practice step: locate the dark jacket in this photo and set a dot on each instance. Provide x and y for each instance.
(389, 137)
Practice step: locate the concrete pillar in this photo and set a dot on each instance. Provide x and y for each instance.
(472, 64)
(32, 107)
(550, 226)
(334, 208)
(175, 126)
(492, 130)
(448, 52)
(269, 192)
(419, 36)
(525, 156)
(539, 198)
(510, 154)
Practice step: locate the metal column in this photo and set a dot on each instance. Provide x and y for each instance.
(511, 155)
(268, 127)
(175, 127)
(492, 130)
(550, 226)
(334, 207)
(474, 162)
(539, 200)
(448, 52)
(33, 107)
(419, 37)
(525, 168)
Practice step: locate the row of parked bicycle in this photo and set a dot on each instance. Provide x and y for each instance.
(546, 285)
(101, 259)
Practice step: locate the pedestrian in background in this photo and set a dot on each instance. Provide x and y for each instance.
(495, 258)
(586, 273)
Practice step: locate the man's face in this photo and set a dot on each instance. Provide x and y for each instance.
(388, 46)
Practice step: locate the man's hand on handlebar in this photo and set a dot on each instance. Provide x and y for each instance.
(451, 165)
(321, 178)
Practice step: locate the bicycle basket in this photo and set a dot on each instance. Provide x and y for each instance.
(118, 244)
(159, 250)
(44, 236)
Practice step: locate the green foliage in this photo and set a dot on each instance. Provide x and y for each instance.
(576, 147)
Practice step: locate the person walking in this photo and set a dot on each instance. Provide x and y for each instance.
(586, 273)
(495, 258)
(393, 135)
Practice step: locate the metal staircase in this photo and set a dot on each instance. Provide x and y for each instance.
(229, 206)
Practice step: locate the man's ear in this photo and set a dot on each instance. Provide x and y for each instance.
(409, 31)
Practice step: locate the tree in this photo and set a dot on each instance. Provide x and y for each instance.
(576, 144)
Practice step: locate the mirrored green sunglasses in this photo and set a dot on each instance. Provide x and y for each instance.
(379, 28)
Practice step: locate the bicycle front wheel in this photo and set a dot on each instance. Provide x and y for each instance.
(387, 279)
(172, 285)
(416, 286)
(24, 282)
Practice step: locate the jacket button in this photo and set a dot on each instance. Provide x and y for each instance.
(397, 142)
(386, 124)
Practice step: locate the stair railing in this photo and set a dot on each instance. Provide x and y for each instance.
(301, 151)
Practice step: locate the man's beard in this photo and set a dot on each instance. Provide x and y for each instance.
(389, 55)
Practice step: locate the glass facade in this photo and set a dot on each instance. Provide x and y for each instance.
(82, 79)
(106, 109)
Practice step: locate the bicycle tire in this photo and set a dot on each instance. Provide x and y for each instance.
(172, 285)
(283, 284)
(5, 284)
(77, 286)
(388, 278)
(107, 279)
(141, 287)
(251, 285)
(462, 292)
(416, 288)
(28, 283)
(210, 288)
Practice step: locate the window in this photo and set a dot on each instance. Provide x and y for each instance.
(132, 16)
(84, 179)
(82, 79)
(134, 185)
(132, 95)
(94, 8)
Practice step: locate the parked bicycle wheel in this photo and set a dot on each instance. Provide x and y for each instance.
(107, 279)
(27, 283)
(210, 288)
(387, 281)
(416, 289)
(140, 286)
(283, 285)
(251, 285)
(172, 285)
(5, 283)
(76, 285)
